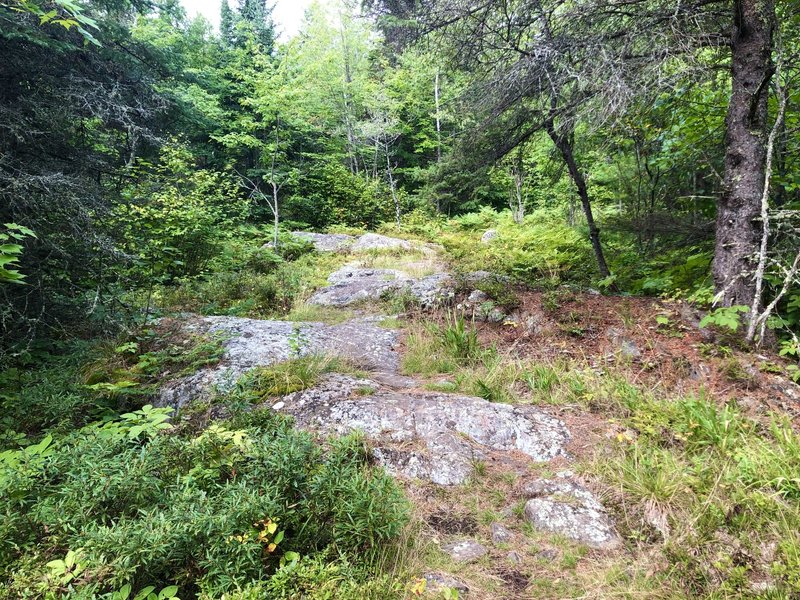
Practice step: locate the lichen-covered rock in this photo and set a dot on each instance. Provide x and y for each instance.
(474, 278)
(565, 507)
(375, 241)
(627, 347)
(433, 290)
(436, 581)
(251, 343)
(351, 284)
(477, 297)
(326, 242)
(436, 437)
(488, 236)
(464, 550)
(500, 535)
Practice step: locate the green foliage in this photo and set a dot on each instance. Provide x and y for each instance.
(146, 593)
(137, 367)
(242, 292)
(211, 514)
(51, 396)
(175, 218)
(544, 247)
(457, 339)
(290, 376)
(726, 317)
(702, 475)
(64, 13)
(10, 252)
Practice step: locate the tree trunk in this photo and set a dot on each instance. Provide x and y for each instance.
(392, 188)
(738, 210)
(564, 146)
(276, 219)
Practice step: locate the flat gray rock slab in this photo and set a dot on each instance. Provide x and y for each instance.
(424, 435)
(565, 507)
(352, 284)
(464, 550)
(252, 343)
(326, 242)
(375, 241)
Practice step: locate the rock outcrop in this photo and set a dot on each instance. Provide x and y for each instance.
(252, 343)
(430, 436)
(565, 507)
(326, 242)
(352, 284)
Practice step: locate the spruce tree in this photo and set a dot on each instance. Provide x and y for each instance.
(226, 23)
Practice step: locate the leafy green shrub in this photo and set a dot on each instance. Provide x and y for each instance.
(209, 514)
(332, 194)
(11, 251)
(175, 216)
(251, 294)
(544, 247)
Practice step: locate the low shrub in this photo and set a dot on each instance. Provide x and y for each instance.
(212, 514)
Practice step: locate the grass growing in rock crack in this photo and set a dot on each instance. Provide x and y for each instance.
(307, 312)
(435, 348)
(293, 375)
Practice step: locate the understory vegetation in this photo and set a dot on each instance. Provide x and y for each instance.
(247, 507)
(613, 188)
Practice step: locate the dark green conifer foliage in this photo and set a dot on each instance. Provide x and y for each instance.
(226, 23)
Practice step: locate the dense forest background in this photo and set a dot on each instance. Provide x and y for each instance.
(135, 142)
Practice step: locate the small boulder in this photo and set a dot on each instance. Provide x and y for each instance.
(477, 297)
(547, 555)
(435, 581)
(464, 550)
(375, 241)
(514, 557)
(496, 315)
(433, 290)
(627, 347)
(564, 507)
(488, 236)
(500, 535)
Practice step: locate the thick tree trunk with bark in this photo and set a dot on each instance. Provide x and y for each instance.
(564, 145)
(738, 211)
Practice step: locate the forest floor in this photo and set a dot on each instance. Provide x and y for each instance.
(676, 476)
